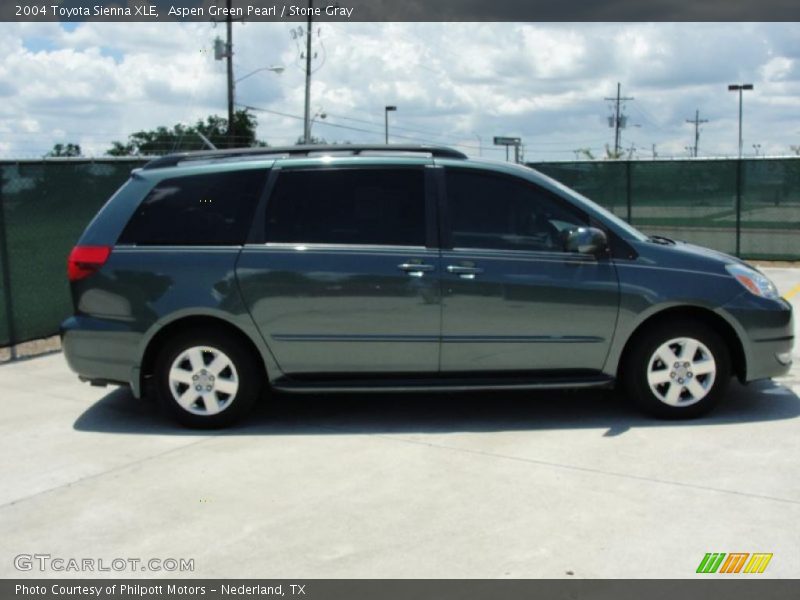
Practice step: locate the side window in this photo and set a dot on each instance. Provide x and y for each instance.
(499, 212)
(211, 209)
(348, 206)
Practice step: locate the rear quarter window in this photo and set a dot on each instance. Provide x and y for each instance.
(211, 209)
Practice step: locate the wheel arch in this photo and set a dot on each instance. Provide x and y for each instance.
(183, 323)
(707, 316)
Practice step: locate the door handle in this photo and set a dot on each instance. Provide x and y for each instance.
(415, 269)
(463, 271)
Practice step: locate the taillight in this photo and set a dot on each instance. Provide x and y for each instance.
(85, 260)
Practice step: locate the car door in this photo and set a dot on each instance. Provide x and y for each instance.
(513, 300)
(346, 278)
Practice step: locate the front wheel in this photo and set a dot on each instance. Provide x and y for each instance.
(206, 379)
(677, 370)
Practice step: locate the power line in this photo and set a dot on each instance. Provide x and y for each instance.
(651, 120)
(327, 123)
(435, 134)
(356, 120)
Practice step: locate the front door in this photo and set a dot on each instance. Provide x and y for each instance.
(346, 281)
(513, 300)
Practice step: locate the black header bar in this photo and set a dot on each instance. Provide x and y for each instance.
(400, 10)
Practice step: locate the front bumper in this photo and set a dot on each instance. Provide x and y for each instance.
(766, 329)
(770, 358)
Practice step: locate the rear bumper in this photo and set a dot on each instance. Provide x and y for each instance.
(102, 351)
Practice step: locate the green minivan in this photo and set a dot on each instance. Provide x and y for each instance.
(212, 277)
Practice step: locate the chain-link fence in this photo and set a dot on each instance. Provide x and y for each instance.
(44, 207)
(752, 207)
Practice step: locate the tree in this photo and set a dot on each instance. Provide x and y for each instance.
(613, 154)
(314, 141)
(65, 150)
(795, 149)
(120, 149)
(180, 137)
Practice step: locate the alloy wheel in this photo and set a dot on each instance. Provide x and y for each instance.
(203, 380)
(681, 372)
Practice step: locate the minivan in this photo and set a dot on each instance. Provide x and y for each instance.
(210, 278)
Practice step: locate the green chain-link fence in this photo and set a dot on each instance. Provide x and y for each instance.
(45, 205)
(749, 207)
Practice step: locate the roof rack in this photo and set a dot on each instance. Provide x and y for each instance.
(172, 160)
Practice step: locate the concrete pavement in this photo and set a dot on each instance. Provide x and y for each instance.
(572, 484)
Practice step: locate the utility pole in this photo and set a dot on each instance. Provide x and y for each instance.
(307, 115)
(229, 54)
(697, 121)
(618, 120)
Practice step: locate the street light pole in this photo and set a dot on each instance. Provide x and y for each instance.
(386, 112)
(740, 87)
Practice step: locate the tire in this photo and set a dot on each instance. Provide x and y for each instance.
(206, 379)
(677, 370)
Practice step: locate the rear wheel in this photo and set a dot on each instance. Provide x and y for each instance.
(206, 379)
(677, 370)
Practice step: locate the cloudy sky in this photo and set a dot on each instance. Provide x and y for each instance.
(453, 83)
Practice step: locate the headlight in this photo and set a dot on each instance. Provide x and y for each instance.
(755, 282)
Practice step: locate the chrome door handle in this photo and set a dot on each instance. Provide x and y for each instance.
(461, 269)
(415, 269)
(464, 272)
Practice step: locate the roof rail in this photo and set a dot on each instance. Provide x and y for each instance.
(170, 160)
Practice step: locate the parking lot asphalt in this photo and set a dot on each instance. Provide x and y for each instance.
(519, 485)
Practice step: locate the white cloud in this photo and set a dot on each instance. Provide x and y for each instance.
(778, 68)
(452, 82)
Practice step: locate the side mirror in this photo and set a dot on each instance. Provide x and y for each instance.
(586, 240)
